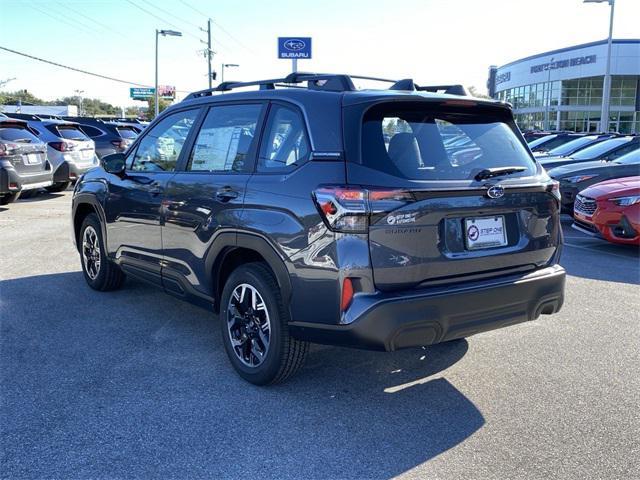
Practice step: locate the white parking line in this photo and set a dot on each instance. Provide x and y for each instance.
(592, 250)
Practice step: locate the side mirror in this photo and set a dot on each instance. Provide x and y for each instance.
(114, 163)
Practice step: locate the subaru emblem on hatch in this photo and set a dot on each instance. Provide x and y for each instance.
(294, 44)
(495, 192)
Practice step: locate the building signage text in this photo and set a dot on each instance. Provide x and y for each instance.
(571, 62)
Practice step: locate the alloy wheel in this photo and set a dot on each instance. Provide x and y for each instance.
(248, 325)
(91, 252)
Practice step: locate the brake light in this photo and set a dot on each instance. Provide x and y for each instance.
(62, 146)
(350, 209)
(347, 294)
(7, 149)
(121, 144)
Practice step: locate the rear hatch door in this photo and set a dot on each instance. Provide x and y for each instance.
(438, 213)
(23, 149)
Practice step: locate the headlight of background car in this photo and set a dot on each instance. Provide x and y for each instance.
(626, 201)
(578, 178)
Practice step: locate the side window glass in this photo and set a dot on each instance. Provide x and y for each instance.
(160, 148)
(225, 139)
(285, 145)
(632, 145)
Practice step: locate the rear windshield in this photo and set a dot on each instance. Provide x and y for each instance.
(573, 145)
(599, 149)
(18, 135)
(127, 132)
(70, 132)
(411, 142)
(540, 141)
(630, 158)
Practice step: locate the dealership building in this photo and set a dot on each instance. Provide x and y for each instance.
(562, 89)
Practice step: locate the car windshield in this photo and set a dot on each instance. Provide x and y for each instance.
(17, 134)
(573, 145)
(630, 158)
(410, 142)
(599, 149)
(540, 141)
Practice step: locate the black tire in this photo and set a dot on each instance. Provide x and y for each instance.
(58, 187)
(9, 198)
(285, 355)
(108, 275)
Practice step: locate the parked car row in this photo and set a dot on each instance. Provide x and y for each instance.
(599, 176)
(45, 151)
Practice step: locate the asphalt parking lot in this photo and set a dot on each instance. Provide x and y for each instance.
(135, 383)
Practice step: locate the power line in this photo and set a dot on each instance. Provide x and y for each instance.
(162, 19)
(229, 34)
(61, 19)
(86, 72)
(93, 20)
(105, 77)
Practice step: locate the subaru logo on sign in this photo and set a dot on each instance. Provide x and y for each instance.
(294, 48)
(294, 44)
(495, 192)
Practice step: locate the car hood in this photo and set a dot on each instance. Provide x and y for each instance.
(616, 187)
(578, 168)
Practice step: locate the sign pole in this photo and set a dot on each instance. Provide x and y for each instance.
(294, 65)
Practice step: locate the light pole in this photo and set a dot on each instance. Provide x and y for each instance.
(548, 102)
(164, 33)
(79, 95)
(227, 65)
(606, 87)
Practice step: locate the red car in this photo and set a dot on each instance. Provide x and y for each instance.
(610, 209)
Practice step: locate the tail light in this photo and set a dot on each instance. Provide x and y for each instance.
(8, 149)
(62, 146)
(351, 210)
(121, 145)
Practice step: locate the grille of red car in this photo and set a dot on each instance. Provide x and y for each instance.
(584, 205)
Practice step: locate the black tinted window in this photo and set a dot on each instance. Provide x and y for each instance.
(127, 132)
(413, 143)
(70, 132)
(285, 145)
(160, 148)
(91, 131)
(225, 139)
(17, 134)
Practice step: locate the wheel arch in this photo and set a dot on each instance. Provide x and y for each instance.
(85, 205)
(249, 248)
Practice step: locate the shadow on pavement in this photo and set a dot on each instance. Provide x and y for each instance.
(135, 383)
(594, 258)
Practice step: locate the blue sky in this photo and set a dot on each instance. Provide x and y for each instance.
(433, 41)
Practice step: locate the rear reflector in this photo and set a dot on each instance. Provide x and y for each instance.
(347, 294)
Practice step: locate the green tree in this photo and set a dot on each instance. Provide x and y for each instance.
(475, 93)
(162, 104)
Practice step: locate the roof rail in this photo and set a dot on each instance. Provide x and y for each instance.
(327, 82)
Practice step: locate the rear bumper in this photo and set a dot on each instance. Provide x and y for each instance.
(404, 320)
(12, 181)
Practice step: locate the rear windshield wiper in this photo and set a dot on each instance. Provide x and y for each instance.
(497, 172)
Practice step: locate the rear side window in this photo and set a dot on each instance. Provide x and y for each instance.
(70, 132)
(126, 132)
(285, 145)
(90, 131)
(411, 142)
(629, 147)
(225, 139)
(17, 134)
(573, 145)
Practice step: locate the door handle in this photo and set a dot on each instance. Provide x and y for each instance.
(225, 194)
(156, 189)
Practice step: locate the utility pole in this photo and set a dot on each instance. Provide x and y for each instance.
(79, 95)
(209, 52)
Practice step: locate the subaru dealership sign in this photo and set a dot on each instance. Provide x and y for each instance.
(293, 48)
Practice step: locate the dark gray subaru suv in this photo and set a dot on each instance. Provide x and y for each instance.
(309, 211)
